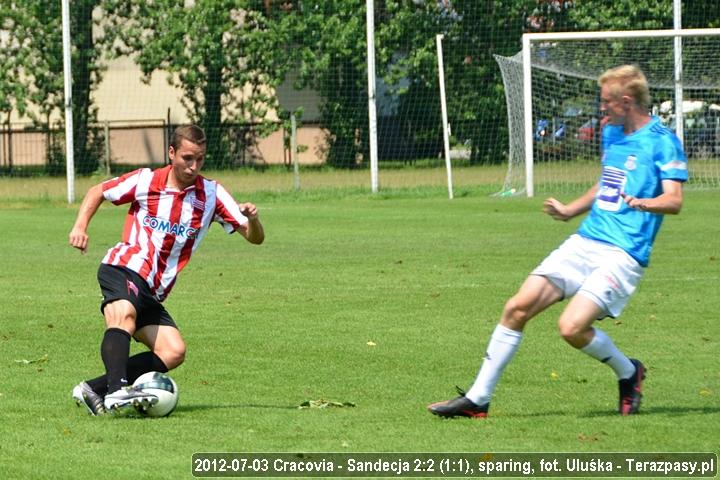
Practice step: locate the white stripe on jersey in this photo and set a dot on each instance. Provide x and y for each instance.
(231, 206)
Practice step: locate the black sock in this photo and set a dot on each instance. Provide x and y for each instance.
(144, 362)
(115, 350)
(99, 385)
(137, 365)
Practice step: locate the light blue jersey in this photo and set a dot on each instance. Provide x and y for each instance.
(635, 164)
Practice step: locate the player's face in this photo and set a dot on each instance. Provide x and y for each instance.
(613, 104)
(187, 161)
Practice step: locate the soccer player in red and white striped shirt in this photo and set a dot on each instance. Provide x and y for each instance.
(171, 209)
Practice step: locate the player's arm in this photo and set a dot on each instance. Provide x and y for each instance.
(90, 204)
(253, 229)
(559, 211)
(668, 202)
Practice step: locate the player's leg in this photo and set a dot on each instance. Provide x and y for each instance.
(150, 330)
(120, 318)
(167, 349)
(119, 292)
(576, 328)
(605, 293)
(114, 351)
(535, 295)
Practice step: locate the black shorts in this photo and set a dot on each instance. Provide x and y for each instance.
(120, 283)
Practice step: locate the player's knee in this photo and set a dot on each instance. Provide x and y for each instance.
(172, 355)
(120, 314)
(571, 332)
(515, 315)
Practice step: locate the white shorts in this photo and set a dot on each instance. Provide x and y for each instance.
(604, 273)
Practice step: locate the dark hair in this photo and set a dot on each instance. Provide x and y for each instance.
(191, 133)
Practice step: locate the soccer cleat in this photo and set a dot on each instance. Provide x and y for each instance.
(128, 399)
(459, 407)
(86, 396)
(631, 390)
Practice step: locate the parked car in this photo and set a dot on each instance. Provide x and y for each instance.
(701, 129)
(589, 132)
(543, 130)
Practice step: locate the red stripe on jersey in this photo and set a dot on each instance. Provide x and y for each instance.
(169, 240)
(227, 213)
(196, 223)
(157, 185)
(130, 222)
(115, 182)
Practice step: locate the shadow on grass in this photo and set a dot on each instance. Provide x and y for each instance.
(660, 410)
(196, 407)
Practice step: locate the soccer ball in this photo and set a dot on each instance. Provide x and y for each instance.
(163, 387)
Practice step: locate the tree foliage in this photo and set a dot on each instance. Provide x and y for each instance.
(14, 52)
(328, 50)
(32, 66)
(223, 54)
(473, 31)
(228, 57)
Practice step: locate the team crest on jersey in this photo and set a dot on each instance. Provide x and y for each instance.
(161, 225)
(631, 162)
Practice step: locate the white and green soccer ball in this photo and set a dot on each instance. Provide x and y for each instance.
(163, 387)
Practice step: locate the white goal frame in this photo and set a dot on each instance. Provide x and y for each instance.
(529, 38)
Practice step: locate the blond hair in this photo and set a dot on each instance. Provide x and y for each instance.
(627, 80)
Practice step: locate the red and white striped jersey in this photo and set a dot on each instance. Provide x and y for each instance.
(164, 227)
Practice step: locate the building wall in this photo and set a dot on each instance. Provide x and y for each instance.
(135, 112)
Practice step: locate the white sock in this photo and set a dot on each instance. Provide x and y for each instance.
(501, 348)
(602, 348)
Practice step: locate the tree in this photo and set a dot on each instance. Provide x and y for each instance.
(32, 71)
(326, 44)
(700, 14)
(47, 82)
(473, 31)
(635, 15)
(223, 54)
(86, 75)
(14, 51)
(407, 63)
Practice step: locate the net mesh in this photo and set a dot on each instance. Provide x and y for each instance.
(566, 118)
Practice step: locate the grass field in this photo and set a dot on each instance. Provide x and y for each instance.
(383, 301)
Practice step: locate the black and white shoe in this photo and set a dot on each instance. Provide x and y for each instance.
(86, 396)
(128, 399)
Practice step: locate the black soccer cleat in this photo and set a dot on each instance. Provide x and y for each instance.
(86, 396)
(631, 390)
(459, 407)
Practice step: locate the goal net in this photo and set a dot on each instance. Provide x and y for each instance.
(556, 149)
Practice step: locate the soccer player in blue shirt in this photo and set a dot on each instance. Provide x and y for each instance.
(599, 267)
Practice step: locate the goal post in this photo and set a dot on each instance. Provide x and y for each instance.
(553, 106)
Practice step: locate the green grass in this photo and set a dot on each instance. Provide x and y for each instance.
(269, 327)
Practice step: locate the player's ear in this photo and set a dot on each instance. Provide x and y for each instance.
(171, 152)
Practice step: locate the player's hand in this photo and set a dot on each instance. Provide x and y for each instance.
(249, 210)
(79, 239)
(556, 209)
(633, 202)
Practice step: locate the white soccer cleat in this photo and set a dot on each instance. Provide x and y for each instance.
(128, 398)
(86, 396)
